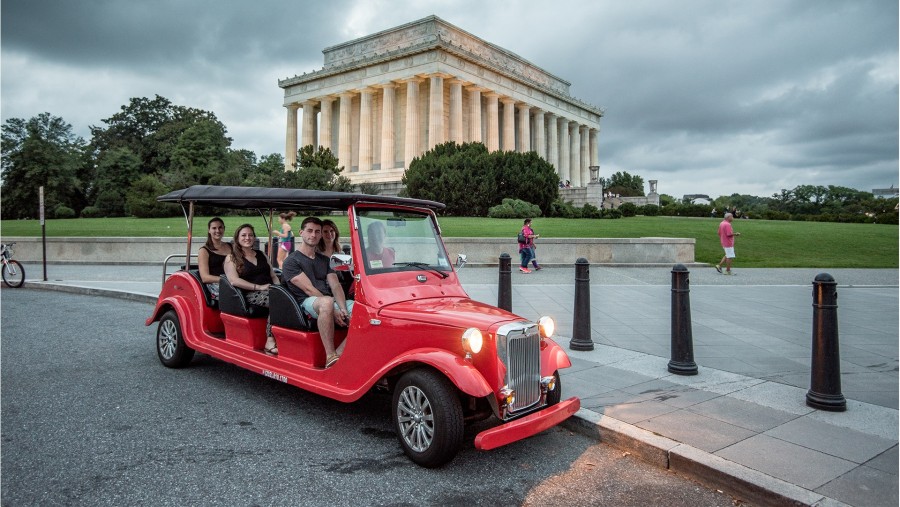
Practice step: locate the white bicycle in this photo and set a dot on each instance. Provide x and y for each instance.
(13, 272)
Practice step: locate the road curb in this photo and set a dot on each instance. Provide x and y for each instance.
(91, 291)
(708, 469)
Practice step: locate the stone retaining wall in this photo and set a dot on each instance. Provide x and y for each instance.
(480, 251)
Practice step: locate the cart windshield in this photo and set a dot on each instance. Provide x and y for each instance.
(394, 240)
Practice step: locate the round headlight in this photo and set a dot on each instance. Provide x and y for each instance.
(547, 327)
(472, 340)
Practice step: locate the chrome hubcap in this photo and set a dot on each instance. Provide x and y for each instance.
(415, 418)
(168, 339)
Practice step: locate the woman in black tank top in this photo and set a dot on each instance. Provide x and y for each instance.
(211, 257)
(248, 269)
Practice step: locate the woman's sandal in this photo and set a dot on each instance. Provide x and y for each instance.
(330, 360)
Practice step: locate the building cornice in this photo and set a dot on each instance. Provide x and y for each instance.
(434, 34)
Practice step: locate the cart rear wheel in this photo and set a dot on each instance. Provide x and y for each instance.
(170, 346)
(428, 417)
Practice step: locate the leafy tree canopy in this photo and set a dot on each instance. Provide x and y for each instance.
(470, 181)
(41, 151)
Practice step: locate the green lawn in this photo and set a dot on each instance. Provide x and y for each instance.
(762, 243)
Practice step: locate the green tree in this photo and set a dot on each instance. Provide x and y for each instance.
(624, 184)
(42, 151)
(116, 170)
(141, 200)
(153, 130)
(470, 181)
(317, 169)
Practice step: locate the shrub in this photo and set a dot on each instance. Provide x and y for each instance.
(591, 211)
(514, 208)
(91, 212)
(628, 209)
(887, 218)
(649, 210)
(62, 211)
(564, 209)
(611, 214)
(771, 214)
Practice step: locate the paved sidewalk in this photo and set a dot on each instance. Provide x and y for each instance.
(741, 424)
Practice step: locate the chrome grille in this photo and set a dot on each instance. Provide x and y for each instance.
(521, 344)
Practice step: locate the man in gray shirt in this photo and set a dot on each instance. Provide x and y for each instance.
(308, 276)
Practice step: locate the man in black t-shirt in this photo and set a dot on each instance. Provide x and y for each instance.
(308, 276)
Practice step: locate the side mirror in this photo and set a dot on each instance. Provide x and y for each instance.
(341, 262)
(461, 260)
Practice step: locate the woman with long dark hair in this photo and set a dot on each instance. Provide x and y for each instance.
(248, 269)
(211, 256)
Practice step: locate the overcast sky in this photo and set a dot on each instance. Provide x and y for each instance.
(707, 96)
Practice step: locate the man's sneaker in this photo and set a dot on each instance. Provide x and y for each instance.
(718, 268)
(728, 273)
(538, 268)
(525, 270)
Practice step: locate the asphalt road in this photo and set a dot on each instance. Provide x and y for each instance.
(90, 417)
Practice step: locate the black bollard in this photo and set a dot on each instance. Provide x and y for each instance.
(825, 382)
(504, 293)
(581, 326)
(682, 362)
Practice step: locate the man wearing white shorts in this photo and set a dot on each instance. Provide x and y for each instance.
(726, 237)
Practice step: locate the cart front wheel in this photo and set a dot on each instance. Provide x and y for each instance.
(428, 417)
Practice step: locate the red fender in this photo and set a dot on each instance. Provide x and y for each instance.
(553, 358)
(461, 372)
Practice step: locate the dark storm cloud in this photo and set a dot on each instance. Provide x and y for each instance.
(707, 96)
(131, 33)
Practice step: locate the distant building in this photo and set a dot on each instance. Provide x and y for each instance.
(886, 192)
(382, 100)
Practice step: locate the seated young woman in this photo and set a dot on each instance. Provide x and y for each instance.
(248, 269)
(331, 244)
(211, 256)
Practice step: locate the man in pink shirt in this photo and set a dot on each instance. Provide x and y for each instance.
(726, 237)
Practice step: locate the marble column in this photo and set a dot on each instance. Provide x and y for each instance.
(365, 129)
(493, 122)
(553, 142)
(308, 137)
(585, 161)
(456, 112)
(509, 124)
(564, 174)
(574, 154)
(540, 140)
(344, 142)
(387, 126)
(524, 145)
(475, 115)
(411, 147)
(436, 111)
(325, 126)
(595, 156)
(290, 141)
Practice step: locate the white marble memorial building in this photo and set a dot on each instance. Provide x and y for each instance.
(384, 99)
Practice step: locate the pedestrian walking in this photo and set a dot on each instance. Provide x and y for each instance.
(526, 245)
(726, 237)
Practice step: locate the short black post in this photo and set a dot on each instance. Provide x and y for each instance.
(825, 381)
(504, 292)
(682, 362)
(581, 326)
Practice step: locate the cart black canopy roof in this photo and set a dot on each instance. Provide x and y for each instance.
(283, 198)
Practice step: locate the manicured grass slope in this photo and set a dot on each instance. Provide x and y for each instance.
(762, 243)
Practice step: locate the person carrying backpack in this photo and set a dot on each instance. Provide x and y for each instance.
(526, 246)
